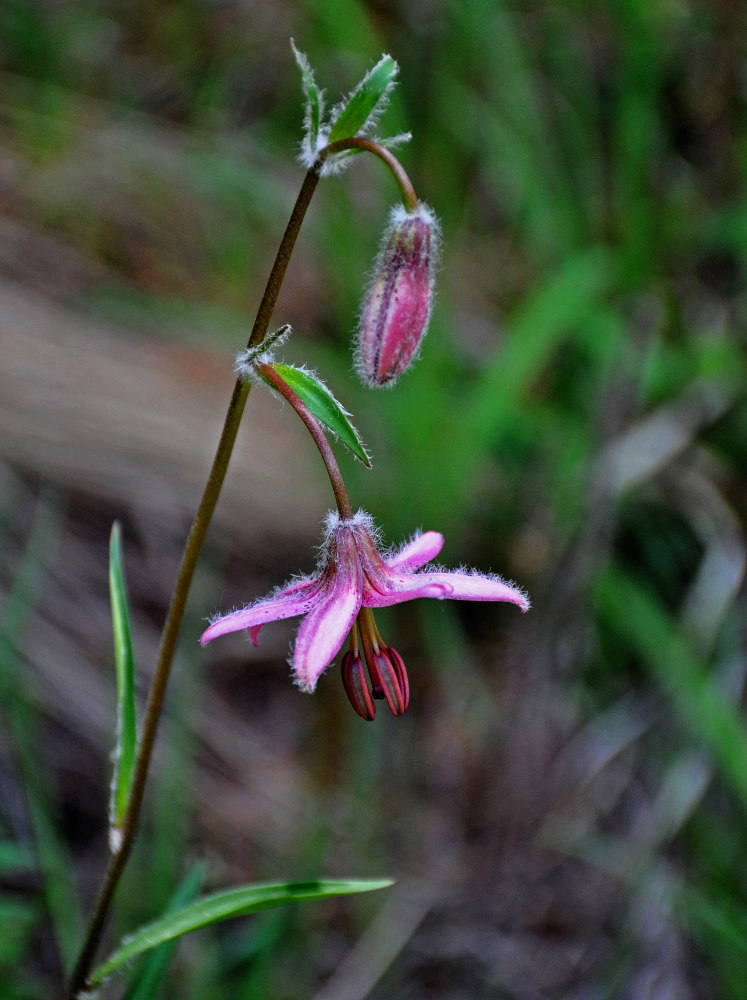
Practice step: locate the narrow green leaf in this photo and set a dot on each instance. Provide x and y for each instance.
(126, 738)
(153, 969)
(222, 905)
(15, 857)
(21, 715)
(538, 327)
(19, 920)
(314, 99)
(719, 917)
(680, 670)
(315, 394)
(365, 100)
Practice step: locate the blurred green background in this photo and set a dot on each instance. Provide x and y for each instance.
(564, 803)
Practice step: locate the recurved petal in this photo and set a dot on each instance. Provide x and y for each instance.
(295, 599)
(416, 553)
(324, 629)
(383, 585)
(394, 588)
(473, 586)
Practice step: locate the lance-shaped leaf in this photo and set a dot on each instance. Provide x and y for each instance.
(126, 732)
(222, 905)
(361, 108)
(147, 980)
(314, 109)
(314, 393)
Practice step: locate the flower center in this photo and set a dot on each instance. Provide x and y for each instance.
(386, 670)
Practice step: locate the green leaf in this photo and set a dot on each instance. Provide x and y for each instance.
(687, 679)
(21, 716)
(365, 100)
(126, 738)
(18, 920)
(315, 394)
(222, 905)
(314, 99)
(551, 315)
(150, 975)
(15, 857)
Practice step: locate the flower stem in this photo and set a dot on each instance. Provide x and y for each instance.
(118, 859)
(358, 142)
(314, 428)
(175, 614)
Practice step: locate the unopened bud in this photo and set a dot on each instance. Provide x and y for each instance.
(397, 306)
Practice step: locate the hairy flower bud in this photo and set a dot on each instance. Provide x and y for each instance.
(397, 305)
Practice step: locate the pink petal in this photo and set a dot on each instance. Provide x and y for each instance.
(295, 599)
(324, 629)
(417, 553)
(383, 586)
(401, 587)
(473, 586)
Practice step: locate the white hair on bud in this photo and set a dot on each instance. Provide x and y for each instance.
(399, 215)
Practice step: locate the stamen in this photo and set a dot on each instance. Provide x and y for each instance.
(354, 682)
(390, 683)
(387, 671)
(399, 666)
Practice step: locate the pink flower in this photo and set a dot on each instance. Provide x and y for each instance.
(353, 578)
(397, 305)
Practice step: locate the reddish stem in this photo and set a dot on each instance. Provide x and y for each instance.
(314, 428)
(357, 142)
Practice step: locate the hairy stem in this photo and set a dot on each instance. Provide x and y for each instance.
(175, 612)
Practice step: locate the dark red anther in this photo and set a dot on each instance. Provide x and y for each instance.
(388, 677)
(356, 688)
(399, 667)
(389, 683)
(386, 671)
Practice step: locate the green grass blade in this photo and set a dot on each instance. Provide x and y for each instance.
(498, 396)
(126, 738)
(681, 671)
(365, 100)
(21, 717)
(554, 312)
(154, 968)
(222, 905)
(19, 921)
(315, 394)
(14, 857)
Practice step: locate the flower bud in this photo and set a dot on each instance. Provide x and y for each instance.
(397, 306)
